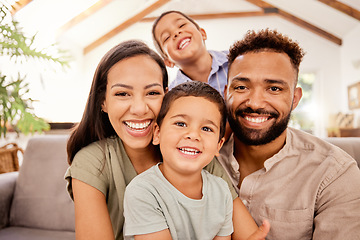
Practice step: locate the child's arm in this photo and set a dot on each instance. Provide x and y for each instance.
(244, 224)
(222, 237)
(161, 235)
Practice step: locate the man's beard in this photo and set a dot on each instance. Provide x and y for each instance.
(256, 137)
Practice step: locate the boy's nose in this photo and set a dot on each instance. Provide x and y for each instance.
(193, 135)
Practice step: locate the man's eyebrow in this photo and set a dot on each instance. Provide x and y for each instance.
(240, 79)
(276, 81)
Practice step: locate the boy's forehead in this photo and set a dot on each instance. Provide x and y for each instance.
(168, 20)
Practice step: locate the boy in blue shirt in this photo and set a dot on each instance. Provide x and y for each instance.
(181, 43)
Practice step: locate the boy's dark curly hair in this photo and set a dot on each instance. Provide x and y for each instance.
(267, 40)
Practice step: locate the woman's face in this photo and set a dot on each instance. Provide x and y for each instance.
(133, 98)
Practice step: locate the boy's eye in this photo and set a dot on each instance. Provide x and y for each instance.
(207, 129)
(165, 39)
(180, 124)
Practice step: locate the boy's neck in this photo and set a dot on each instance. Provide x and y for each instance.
(189, 185)
(198, 69)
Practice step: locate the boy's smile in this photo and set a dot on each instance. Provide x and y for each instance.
(175, 33)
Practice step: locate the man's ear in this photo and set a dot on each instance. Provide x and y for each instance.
(156, 134)
(203, 33)
(169, 63)
(220, 144)
(297, 97)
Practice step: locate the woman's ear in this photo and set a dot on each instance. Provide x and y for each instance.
(103, 107)
(156, 134)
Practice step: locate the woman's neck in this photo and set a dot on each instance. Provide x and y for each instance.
(143, 159)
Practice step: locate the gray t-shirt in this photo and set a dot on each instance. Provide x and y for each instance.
(152, 204)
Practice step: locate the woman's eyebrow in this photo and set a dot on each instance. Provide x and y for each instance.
(153, 85)
(121, 85)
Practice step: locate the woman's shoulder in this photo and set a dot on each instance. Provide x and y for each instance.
(96, 150)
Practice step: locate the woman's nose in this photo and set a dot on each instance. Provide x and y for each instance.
(138, 106)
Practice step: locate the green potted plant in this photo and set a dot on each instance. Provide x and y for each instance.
(16, 111)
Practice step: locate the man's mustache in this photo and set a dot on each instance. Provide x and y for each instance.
(243, 111)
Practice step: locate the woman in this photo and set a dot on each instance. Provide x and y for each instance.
(112, 142)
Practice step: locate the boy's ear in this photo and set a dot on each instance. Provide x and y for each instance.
(220, 144)
(203, 33)
(156, 134)
(169, 63)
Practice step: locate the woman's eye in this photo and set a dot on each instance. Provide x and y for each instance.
(154, 93)
(121, 94)
(207, 129)
(182, 25)
(180, 124)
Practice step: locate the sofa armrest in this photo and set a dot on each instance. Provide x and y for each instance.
(7, 188)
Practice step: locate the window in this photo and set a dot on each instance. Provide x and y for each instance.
(303, 117)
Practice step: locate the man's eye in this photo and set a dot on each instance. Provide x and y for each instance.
(240, 88)
(207, 129)
(275, 89)
(180, 124)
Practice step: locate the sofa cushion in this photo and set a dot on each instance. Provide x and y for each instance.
(40, 198)
(351, 145)
(17, 233)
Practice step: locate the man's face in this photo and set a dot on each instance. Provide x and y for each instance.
(260, 96)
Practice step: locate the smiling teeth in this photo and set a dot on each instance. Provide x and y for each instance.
(183, 43)
(138, 126)
(189, 151)
(256, 119)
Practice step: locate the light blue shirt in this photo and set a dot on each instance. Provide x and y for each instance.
(218, 75)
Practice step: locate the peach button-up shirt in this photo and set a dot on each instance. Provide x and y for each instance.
(310, 189)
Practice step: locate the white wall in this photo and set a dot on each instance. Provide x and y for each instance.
(330, 62)
(350, 65)
(322, 57)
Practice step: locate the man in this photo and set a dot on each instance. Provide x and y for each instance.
(305, 187)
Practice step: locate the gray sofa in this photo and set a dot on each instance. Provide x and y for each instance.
(34, 203)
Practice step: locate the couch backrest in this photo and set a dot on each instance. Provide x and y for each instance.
(351, 145)
(40, 198)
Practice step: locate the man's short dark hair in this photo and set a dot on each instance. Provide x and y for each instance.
(267, 40)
